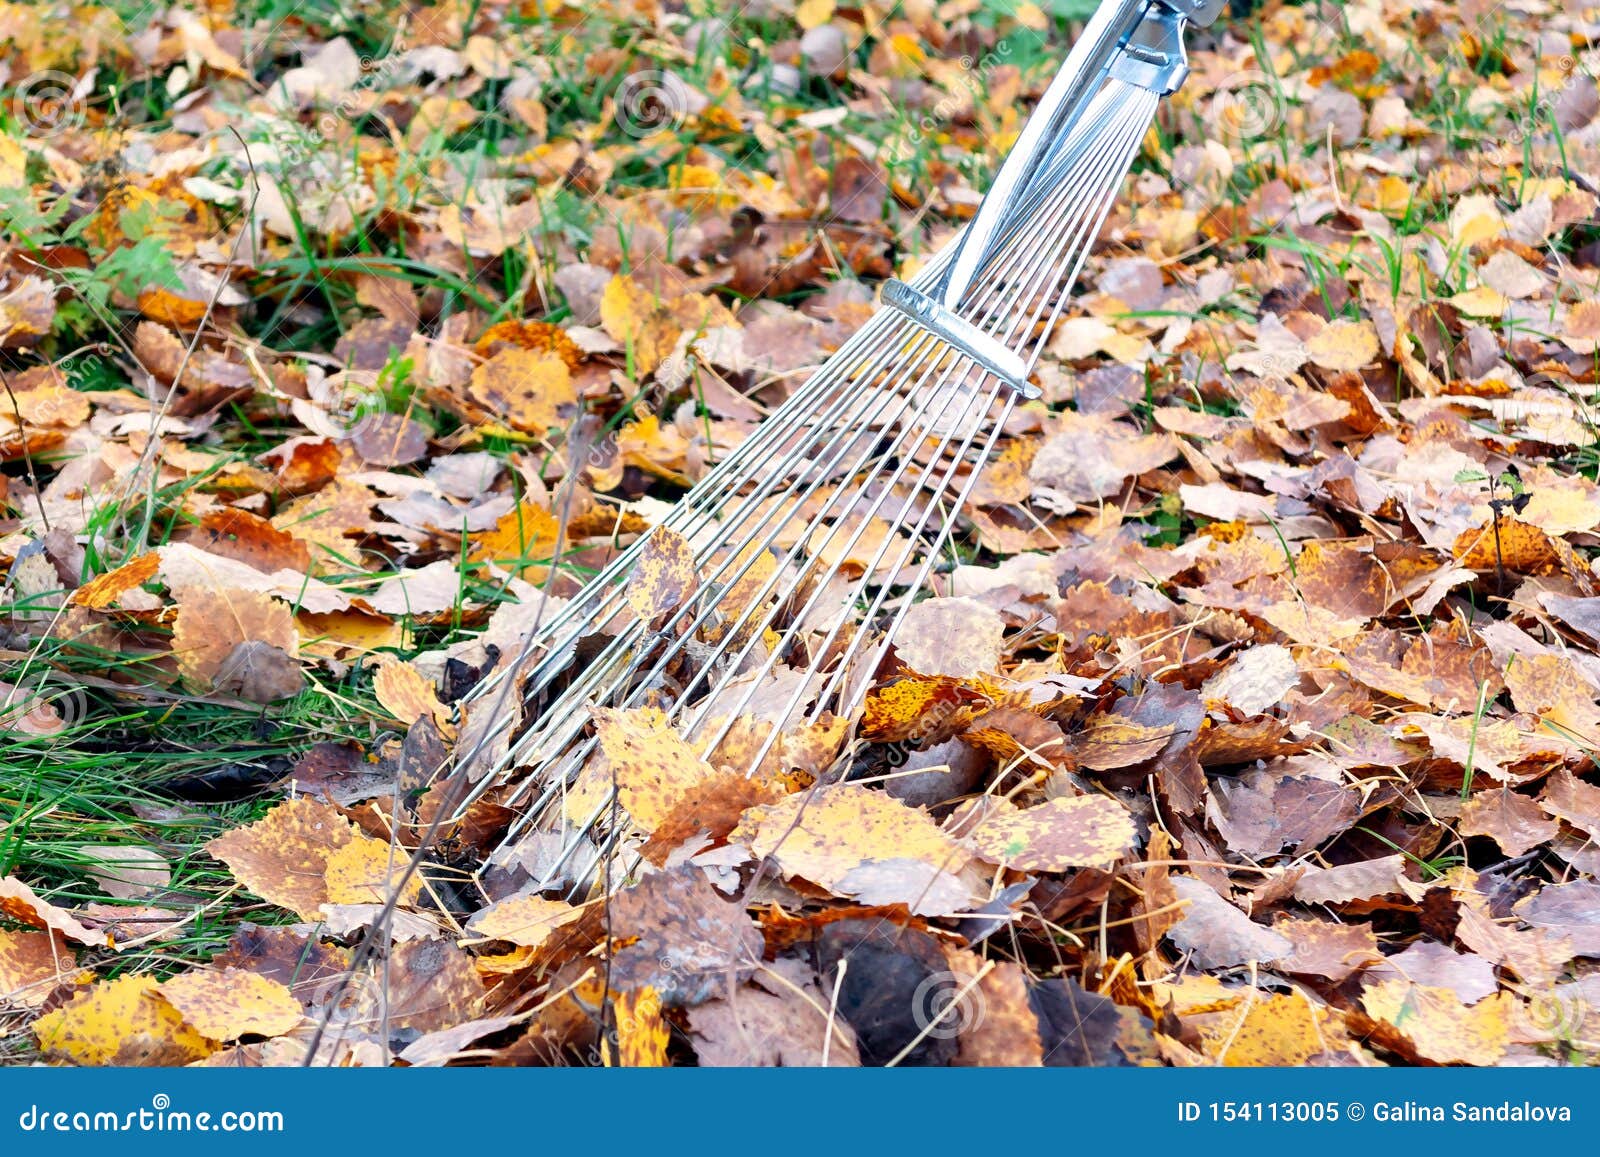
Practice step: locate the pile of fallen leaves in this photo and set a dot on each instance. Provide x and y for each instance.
(1255, 725)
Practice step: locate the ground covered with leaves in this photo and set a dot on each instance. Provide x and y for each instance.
(1252, 719)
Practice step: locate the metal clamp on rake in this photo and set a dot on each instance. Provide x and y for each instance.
(956, 331)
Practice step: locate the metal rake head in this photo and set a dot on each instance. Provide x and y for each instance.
(811, 541)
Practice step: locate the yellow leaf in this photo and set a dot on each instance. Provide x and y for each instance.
(821, 835)
(407, 694)
(1270, 1030)
(529, 389)
(283, 857)
(811, 14)
(525, 535)
(228, 1003)
(103, 590)
(1090, 831)
(642, 1032)
(663, 579)
(121, 1022)
(1438, 1026)
(526, 921)
(655, 769)
(368, 871)
(649, 325)
(1344, 345)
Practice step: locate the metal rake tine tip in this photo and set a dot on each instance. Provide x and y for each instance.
(959, 333)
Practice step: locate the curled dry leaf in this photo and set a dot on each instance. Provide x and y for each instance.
(18, 902)
(32, 966)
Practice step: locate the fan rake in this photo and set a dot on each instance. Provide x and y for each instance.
(812, 539)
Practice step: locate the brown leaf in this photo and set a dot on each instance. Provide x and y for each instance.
(211, 623)
(779, 1018)
(1571, 799)
(1261, 813)
(32, 966)
(1111, 741)
(691, 943)
(955, 637)
(1513, 821)
(1323, 948)
(1217, 933)
(1348, 882)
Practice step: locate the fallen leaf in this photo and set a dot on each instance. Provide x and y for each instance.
(960, 638)
(824, 834)
(1090, 831)
(121, 1022)
(1217, 933)
(224, 1004)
